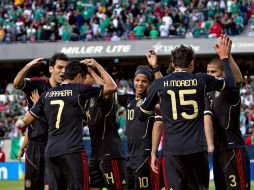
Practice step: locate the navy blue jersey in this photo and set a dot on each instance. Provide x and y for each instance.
(38, 130)
(101, 119)
(138, 133)
(182, 104)
(225, 110)
(63, 106)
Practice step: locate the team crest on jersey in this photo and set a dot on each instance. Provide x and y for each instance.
(139, 103)
(128, 105)
(28, 183)
(216, 94)
(92, 102)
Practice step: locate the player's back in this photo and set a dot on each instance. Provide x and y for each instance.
(182, 106)
(103, 128)
(225, 107)
(63, 108)
(65, 119)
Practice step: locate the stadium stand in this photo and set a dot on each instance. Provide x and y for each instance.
(69, 20)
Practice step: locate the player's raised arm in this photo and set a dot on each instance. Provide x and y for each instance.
(223, 49)
(236, 71)
(109, 85)
(152, 60)
(19, 79)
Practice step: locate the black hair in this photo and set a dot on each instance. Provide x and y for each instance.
(58, 56)
(182, 56)
(144, 69)
(218, 63)
(73, 69)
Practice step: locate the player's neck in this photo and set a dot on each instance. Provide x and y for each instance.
(52, 82)
(139, 96)
(181, 70)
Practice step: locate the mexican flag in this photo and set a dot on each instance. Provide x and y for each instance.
(15, 145)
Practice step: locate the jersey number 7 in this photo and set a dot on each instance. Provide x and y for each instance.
(60, 110)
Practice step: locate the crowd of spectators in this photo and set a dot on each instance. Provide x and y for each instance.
(247, 107)
(12, 108)
(53, 20)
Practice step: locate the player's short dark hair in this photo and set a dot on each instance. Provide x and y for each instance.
(73, 69)
(58, 56)
(218, 63)
(144, 69)
(182, 56)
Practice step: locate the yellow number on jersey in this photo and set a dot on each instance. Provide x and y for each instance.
(130, 114)
(60, 110)
(143, 182)
(232, 180)
(183, 102)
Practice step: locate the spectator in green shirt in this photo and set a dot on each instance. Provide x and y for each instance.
(154, 33)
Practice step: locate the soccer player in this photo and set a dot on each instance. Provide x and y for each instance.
(37, 134)
(63, 106)
(231, 163)
(139, 175)
(182, 101)
(107, 163)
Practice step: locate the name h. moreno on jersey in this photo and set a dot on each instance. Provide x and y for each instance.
(180, 83)
(59, 93)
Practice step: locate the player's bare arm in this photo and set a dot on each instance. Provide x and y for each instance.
(96, 78)
(109, 85)
(152, 60)
(208, 124)
(156, 137)
(23, 147)
(18, 80)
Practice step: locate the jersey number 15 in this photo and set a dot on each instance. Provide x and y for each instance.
(183, 102)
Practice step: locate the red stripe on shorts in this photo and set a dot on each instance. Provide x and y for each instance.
(85, 170)
(164, 173)
(239, 161)
(116, 173)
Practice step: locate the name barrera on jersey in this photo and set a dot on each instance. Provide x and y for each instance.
(61, 105)
(100, 116)
(38, 130)
(183, 97)
(139, 133)
(225, 110)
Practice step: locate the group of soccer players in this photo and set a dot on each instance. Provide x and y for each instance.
(198, 113)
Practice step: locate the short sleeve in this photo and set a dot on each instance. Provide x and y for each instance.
(29, 85)
(152, 99)
(214, 83)
(89, 91)
(123, 99)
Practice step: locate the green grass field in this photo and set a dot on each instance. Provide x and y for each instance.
(18, 185)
